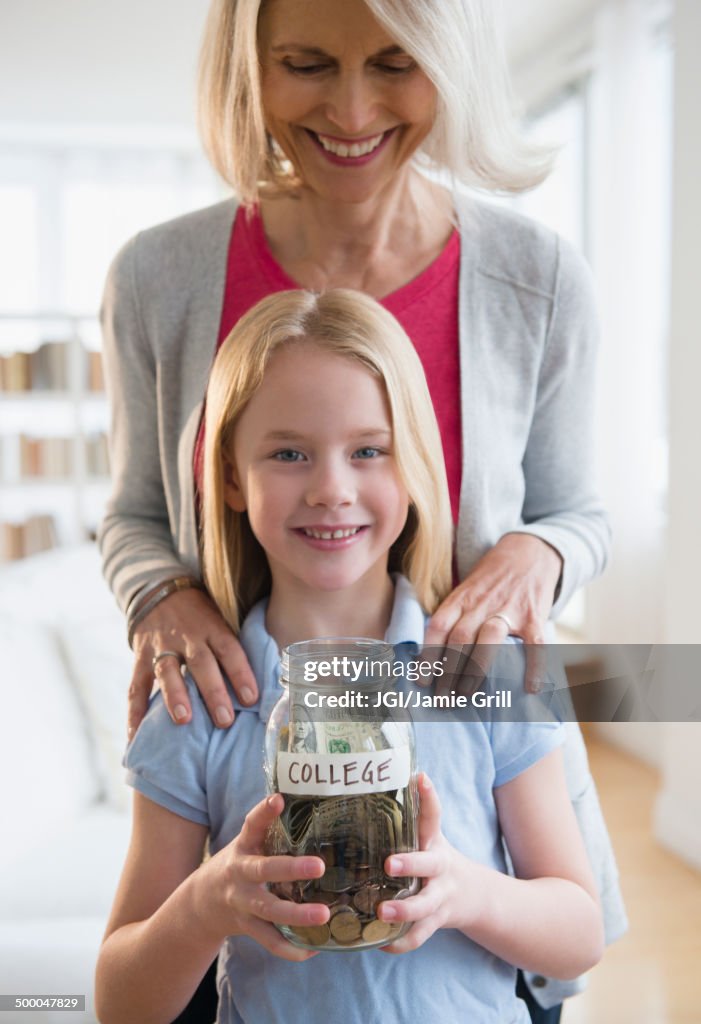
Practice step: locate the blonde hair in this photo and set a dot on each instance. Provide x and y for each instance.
(455, 43)
(354, 326)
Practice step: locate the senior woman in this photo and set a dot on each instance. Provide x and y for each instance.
(323, 116)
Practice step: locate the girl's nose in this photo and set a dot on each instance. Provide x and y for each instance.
(331, 486)
(352, 104)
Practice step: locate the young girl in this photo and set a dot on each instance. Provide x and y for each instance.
(326, 513)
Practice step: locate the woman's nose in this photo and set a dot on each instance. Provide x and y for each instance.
(352, 103)
(331, 486)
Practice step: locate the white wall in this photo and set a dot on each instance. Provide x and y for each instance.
(678, 817)
(97, 62)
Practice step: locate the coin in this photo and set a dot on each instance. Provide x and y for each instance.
(340, 904)
(313, 934)
(367, 898)
(345, 926)
(376, 931)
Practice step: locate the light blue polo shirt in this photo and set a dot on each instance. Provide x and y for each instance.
(213, 777)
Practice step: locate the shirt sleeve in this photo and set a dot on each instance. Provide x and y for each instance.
(561, 504)
(529, 730)
(134, 537)
(168, 762)
(517, 746)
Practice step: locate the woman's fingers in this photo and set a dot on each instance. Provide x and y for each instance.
(444, 619)
(232, 658)
(490, 637)
(139, 690)
(536, 659)
(166, 671)
(205, 671)
(189, 625)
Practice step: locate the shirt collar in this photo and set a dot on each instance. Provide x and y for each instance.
(406, 627)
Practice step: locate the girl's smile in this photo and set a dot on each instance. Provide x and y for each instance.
(330, 537)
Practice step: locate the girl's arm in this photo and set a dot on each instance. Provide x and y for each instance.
(172, 913)
(545, 920)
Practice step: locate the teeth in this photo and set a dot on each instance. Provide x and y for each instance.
(331, 534)
(355, 149)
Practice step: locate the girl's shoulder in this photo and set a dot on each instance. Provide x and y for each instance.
(168, 762)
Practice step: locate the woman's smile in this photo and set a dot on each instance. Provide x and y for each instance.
(351, 152)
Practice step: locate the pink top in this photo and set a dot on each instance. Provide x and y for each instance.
(427, 309)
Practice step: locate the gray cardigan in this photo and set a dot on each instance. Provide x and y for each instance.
(528, 335)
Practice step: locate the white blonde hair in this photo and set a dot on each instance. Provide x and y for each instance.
(455, 42)
(353, 326)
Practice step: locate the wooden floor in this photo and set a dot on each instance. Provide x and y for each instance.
(653, 974)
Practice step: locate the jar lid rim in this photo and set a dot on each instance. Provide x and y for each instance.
(325, 648)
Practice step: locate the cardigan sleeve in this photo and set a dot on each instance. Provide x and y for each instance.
(561, 503)
(135, 537)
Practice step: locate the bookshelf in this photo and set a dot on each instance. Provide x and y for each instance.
(54, 473)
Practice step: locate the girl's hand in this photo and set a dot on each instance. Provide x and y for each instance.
(188, 623)
(443, 900)
(234, 899)
(517, 579)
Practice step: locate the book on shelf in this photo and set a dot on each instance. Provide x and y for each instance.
(48, 369)
(14, 372)
(96, 377)
(55, 456)
(45, 456)
(19, 540)
(97, 455)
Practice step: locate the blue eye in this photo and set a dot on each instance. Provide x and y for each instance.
(288, 455)
(368, 453)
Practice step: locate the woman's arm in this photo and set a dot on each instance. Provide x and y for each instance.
(563, 538)
(136, 535)
(547, 919)
(172, 913)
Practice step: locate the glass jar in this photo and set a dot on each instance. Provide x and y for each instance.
(345, 765)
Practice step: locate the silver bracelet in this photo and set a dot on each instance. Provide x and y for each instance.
(138, 611)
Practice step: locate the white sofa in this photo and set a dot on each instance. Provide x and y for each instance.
(63, 802)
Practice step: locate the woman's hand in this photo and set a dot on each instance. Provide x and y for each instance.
(516, 579)
(188, 624)
(234, 899)
(443, 900)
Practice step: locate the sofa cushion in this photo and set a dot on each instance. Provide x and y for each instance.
(62, 592)
(47, 762)
(72, 871)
